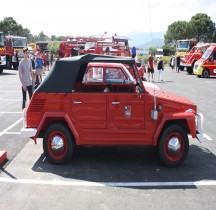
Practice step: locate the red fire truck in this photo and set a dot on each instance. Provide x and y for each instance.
(74, 45)
(13, 45)
(194, 55)
(2, 53)
(118, 46)
(184, 46)
(206, 66)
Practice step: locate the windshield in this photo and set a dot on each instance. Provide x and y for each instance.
(19, 42)
(183, 44)
(206, 54)
(159, 52)
(128, 74)
(1, 40)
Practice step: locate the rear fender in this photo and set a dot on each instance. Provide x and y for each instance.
(55, 116)
(189, 118)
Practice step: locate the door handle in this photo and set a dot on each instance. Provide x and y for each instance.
(77, 102)
(115, 102)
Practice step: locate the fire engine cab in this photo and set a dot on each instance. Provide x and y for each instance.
(14, 45)
(184, 46)
(206, 66)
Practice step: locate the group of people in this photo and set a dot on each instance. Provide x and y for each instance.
(30, 71)
(160, 68)
(175, 62)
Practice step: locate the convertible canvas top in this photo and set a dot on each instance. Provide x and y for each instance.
(64, 73)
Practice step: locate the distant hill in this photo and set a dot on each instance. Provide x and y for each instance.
(144, 40)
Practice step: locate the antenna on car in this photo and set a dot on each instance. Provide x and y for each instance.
(154, 112)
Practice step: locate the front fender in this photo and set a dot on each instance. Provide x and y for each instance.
(189, 117)
(55, 116)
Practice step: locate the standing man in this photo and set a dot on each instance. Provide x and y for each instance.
(25, 76)
(151, 67)
(17, 59)
(178, 61)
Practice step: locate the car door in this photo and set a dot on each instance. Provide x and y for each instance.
(88, 105)
(125, 107)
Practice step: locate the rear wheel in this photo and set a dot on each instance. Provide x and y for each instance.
(205, 73)
(58, 144)
(1, 69)
(173, 146)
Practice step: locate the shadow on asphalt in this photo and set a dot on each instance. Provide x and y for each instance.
(131, 164)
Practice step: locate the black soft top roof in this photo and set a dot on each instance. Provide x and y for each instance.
(64, 73)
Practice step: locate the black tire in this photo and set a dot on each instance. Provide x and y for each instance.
(189, 70)
(64, 141)
(1, 69)
(172, 136)
(205, 73)
(181, 68)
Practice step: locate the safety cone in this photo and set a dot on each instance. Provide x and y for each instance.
(3, 156)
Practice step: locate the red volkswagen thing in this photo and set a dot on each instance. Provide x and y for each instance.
(94, 100)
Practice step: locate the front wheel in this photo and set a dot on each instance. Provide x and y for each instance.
(173, 146)
(205, 73)
(58, 144)
(190, 70)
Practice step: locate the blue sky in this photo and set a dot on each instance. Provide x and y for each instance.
(88, 17)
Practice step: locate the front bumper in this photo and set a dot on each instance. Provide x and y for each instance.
(27, 132)
(198, 70)
(199, 123)
(186, 64)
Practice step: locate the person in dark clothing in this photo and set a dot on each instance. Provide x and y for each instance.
(178, 60)
(17, 59)
(160, 68)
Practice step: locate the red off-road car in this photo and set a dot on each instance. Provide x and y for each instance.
(94, 100)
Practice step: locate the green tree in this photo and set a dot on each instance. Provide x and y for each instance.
(53, 46)
(177, 30)
(152, 50)
(203, 27)
(42, 36)
(53, 37)
(10, 26)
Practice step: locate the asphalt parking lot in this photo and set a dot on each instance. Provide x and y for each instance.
(108, 178)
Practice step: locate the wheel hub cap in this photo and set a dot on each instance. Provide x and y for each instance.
(57, 145)
(174, 146)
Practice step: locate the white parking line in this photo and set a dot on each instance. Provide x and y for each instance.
(10, 112)
(14, 133)
(207, 137)
(8, 128)
(109, 184)
(204, 135)
(9, 91)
